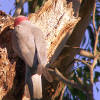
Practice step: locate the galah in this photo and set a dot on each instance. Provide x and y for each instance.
(29, 43)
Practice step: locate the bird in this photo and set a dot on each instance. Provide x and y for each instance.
(29, 43)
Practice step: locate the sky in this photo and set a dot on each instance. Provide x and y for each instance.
(8, 6)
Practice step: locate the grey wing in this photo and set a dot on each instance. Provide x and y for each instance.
(41, 46)
(25, 48)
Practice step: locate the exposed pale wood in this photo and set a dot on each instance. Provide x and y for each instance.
(6, 21)
(56, 20)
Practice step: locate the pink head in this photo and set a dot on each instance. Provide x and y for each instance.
(19, 19)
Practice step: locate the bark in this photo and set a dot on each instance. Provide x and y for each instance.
(62, 24)
(11, 67)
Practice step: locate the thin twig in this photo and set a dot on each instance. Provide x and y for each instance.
(79, 80)
(60, 77)
(96, 42)
(84, 62)
(94, 62)
(94, 17)
(58, 90)
(96, 31)
(69, 82)
(62, 93)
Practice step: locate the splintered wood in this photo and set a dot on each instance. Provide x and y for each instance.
(7, 73)
(57, 21)
(5, 21)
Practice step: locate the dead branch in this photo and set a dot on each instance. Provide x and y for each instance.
(19, 6)
(95, 50)
(81, 52)
(67, 81)
(94, 8)
(79, 80)
(84, 62)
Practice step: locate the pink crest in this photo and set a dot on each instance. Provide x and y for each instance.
(19, 19)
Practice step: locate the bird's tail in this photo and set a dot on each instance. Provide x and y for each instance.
(37, 86)
(33, 87)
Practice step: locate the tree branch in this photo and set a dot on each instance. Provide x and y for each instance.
(81, 51)
(84, 62)
(67, 81)
(79, 80)
(96, 56)
(19, 6)
(94, 8)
